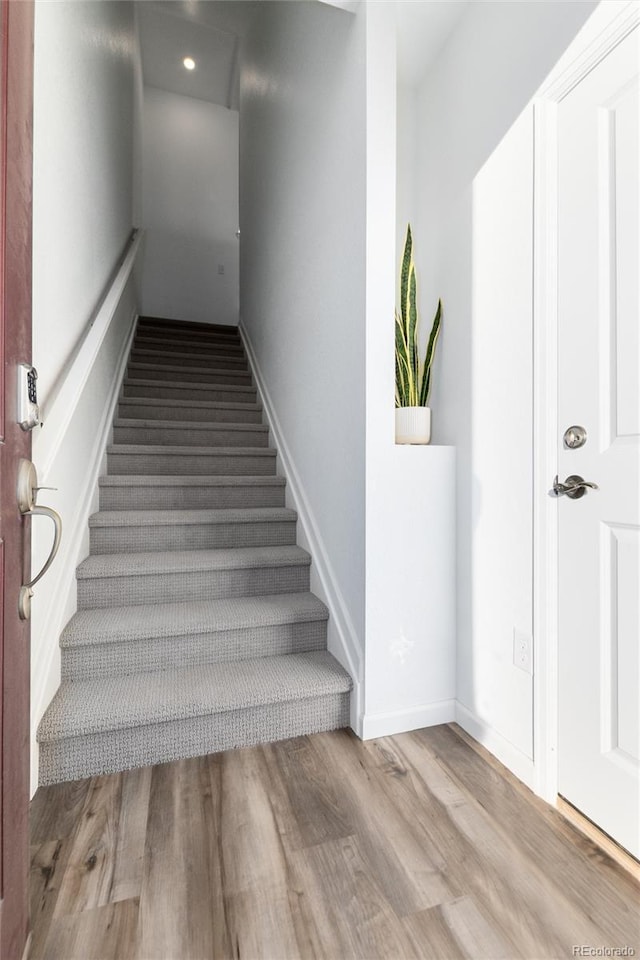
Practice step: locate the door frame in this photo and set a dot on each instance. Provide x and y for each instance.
(609, 24)
(16, 329)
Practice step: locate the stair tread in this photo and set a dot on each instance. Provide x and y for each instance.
(234, 349)
(191, 425)
(168, 450)
(182, 618)
(222, 334)
(206, 404)
(162, 480)
(155, 518)
(84, 707)
(164, 322)
(195, 354)
(186, 370)
(239, 388)
(105, 565)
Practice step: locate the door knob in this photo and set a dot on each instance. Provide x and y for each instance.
(574, 487)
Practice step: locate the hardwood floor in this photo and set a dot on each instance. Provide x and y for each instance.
(411, 846)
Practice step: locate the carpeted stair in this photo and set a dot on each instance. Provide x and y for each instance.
(196, 630)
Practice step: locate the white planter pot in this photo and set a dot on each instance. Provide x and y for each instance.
(413, 424)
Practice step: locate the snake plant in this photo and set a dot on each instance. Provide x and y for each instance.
(413, 379)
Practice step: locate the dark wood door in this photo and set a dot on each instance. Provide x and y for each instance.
(16, 148)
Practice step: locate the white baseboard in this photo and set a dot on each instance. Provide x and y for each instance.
(64, 601)
(502, 749)
(342, 637)
(412, 718)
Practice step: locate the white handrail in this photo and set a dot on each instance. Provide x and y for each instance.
(122, 268)
(59, 404)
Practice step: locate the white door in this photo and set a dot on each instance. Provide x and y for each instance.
(598, 371)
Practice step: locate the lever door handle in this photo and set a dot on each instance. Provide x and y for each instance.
(57, 537)
(573, 487)
(26, 592)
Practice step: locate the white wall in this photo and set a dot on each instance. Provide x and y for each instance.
(138, 108)
(83, 143)
(83, 158)
(302, 216)
(473, 250)
(410, 502)
(190, 209)
(406, 168)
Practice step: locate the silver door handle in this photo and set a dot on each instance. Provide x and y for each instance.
(26, 493)
(26, 593)
(573, 487)
(57, 537)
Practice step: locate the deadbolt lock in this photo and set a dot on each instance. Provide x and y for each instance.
(574, 437)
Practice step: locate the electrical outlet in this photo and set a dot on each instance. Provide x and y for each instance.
(522, 651)
(221, 269)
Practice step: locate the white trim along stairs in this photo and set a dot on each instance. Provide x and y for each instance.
(195, 631)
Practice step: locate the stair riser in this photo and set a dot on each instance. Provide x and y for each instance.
(181, 465)
(149, 371)
(89, 756)
(196, 358)
(166, 391)
(192, 585)
(194, 413)
(170, 344)
(112, 659)
(189, 498)
(191, 537)
(185, 437)
(176, 328)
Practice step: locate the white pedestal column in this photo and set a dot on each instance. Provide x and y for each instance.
(410, 600)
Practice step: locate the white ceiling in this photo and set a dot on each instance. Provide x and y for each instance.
(208, 31)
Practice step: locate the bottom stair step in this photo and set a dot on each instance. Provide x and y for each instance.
(94, 727)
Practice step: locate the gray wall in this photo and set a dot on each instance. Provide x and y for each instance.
(189, 208)
(302, 216)
(83, 167)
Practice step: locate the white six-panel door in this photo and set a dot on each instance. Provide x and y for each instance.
(598, 373)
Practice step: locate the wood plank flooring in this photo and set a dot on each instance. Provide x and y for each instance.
(411, 846)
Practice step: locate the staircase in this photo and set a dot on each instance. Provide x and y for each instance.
(196, 630)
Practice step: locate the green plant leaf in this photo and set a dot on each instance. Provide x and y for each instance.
(428, 360)
(412, 333)
(407, 258)
(403, 379)
(413, 381)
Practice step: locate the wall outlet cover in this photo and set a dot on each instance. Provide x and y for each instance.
(522, 650)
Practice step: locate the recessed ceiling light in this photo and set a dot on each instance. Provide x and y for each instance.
(189, 63)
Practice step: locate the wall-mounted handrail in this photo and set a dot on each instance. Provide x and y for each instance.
(122, 268)
(59, 404)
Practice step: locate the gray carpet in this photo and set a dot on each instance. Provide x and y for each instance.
(196, 631)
